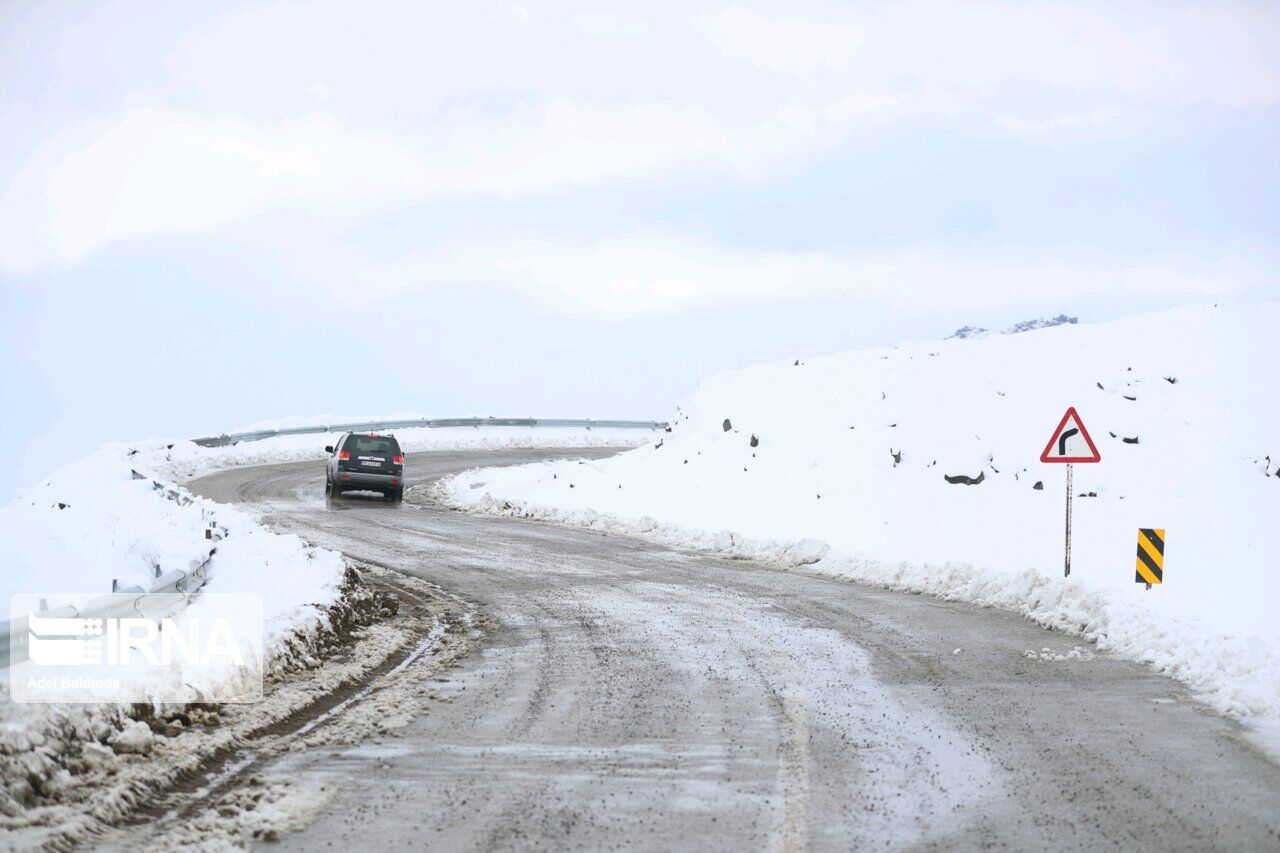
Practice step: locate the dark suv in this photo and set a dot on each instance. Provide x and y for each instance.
(365, 463)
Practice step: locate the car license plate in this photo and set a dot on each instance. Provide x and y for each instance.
(372, 464)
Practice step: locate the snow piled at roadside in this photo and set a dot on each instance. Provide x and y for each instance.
(838, 464)
(106, 517)
(103, 518)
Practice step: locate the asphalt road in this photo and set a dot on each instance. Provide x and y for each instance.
(631, 696)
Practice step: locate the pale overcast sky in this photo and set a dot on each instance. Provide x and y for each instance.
(215, 213)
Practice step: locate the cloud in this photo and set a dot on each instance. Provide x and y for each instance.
(574, 145)
(655, 273)
(1018, 124)
(585, 99)
(510, 11)
(157, 172)
(610, 26)
(624, 278)
(798, 46)
(860, 106)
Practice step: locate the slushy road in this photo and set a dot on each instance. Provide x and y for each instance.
(631, 696)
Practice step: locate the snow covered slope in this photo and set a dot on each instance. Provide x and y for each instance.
(102, 518)
(851, 451)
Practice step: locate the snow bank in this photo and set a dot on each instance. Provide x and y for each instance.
(109, 517)
(103, 518)
(852, 450)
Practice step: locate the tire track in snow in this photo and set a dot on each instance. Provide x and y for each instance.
(795, 763)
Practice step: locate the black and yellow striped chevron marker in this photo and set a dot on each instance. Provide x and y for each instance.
(1150, 555)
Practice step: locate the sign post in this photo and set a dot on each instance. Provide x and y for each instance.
(1066, 562)
(1070, 443)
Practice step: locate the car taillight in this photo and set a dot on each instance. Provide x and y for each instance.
(397, 460)
(342, 454)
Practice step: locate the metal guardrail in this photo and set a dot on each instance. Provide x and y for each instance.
(153, 604)
(424, 423)
(167, 593)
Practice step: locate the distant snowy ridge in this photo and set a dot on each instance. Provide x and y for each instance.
(966, 333)
(868, 454)
(1039, 323)
(972, 332)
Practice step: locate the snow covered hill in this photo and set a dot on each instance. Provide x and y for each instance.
(851, 453)
(972, 332)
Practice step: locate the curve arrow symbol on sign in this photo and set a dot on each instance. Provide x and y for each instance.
(1070, 426)
(1062, 440)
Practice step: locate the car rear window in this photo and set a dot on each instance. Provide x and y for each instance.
(376, 444)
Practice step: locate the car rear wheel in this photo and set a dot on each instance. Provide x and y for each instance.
(395, 495)
(335, 491)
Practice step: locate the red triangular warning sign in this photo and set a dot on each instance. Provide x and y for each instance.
(1071, 442)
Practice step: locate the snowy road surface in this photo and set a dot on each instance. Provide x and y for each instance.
(630, 696)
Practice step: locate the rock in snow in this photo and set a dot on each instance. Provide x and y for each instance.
(975, 332)
(968, 333)
(1040, 323)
